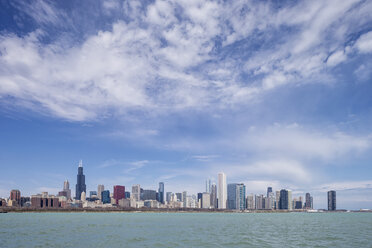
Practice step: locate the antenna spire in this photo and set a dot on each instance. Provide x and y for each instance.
(81, 163)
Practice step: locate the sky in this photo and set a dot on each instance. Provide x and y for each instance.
(273, 93)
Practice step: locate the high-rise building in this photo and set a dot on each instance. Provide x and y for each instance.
(214, 196)
(290, 205)
(206, 200)
(148, 194)
(308, 201)
(66, 188)
(168, 197)
(100, 189)
(127, 194)
(119, 193)
(136, 192)
(250, 202)
(331, 200)
(15, 195)
(105, 196)
(277, 199)
(184, 199)
(283, 201)
(161, 192)
(269, 191)
(259, 202)
(222, 191)
(179, 197)
(80, 184)
(236, 196)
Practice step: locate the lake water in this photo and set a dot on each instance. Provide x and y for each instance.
(186, 230)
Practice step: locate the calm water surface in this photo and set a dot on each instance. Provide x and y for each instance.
(186, 230)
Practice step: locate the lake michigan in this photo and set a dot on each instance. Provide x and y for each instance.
(186, 230)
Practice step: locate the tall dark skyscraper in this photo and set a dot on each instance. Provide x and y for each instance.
(161, 192)
(308, 201)
(331, 200)
(80, 184)
(283, 202)
(269, 191)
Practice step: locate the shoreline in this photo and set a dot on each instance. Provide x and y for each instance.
(162, 210)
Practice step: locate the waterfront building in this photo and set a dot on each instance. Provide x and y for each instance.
(119, 193)
(100, 189)
(222, 191)
(80, 184)
(136, 192)
(44, 201)
(331, 200)
(15, 195)
(283, 201)
(148, 194)
(124, 203)
(25, 201)
(308, 201)
(213, 196)
(236, 196)
(105, 197)
(206, 200)
(250, 202)
(259, 202)
(290, 205)
(277, 199)
(83, 196)
(168, 197)
(161, 192)
(127, 195)
(179, 197)
(66, 188)
(184, 199)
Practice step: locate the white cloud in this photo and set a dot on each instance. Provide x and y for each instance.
(364, 43)
(336, 58)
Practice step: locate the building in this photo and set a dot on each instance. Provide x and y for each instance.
(259, 202)
(168, 197)
(15, 195)
(127, 194)
(222, 191)
(136, 192)
(100, 189)
(179, 197)
(44, 201)
(277, 199)
(269, 191)
(80, 184)
(161, 192)
(124, 203)
(308, 201)
(92, 194)
(119, 193)
(250, 202)
(105, 197)
(236, 196)
(213, 196)
(184, 199)
(206, 200)
(331, 200)
(290, 205)
(66, 188)
(148, 194)
(283, 201)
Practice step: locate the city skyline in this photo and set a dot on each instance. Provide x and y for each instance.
(272, 93)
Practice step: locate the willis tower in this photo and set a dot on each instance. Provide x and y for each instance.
(80, 185)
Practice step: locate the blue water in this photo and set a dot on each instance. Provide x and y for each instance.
(186, 230)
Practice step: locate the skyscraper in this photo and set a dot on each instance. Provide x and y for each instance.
(269, 191)
(331, 200)
(236, 196)
(283, 201)
(214, 196)
(119, 193)
(308, 201)
(80, 184)
(105, 196)
(161, 192)
(100, 189)
(290, 205)
(66, 188)
(15, 195)
(222, 191)
(136, 192)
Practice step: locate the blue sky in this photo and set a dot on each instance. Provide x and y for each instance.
(273, 93)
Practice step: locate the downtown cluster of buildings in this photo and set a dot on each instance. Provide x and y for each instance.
(221, 196)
